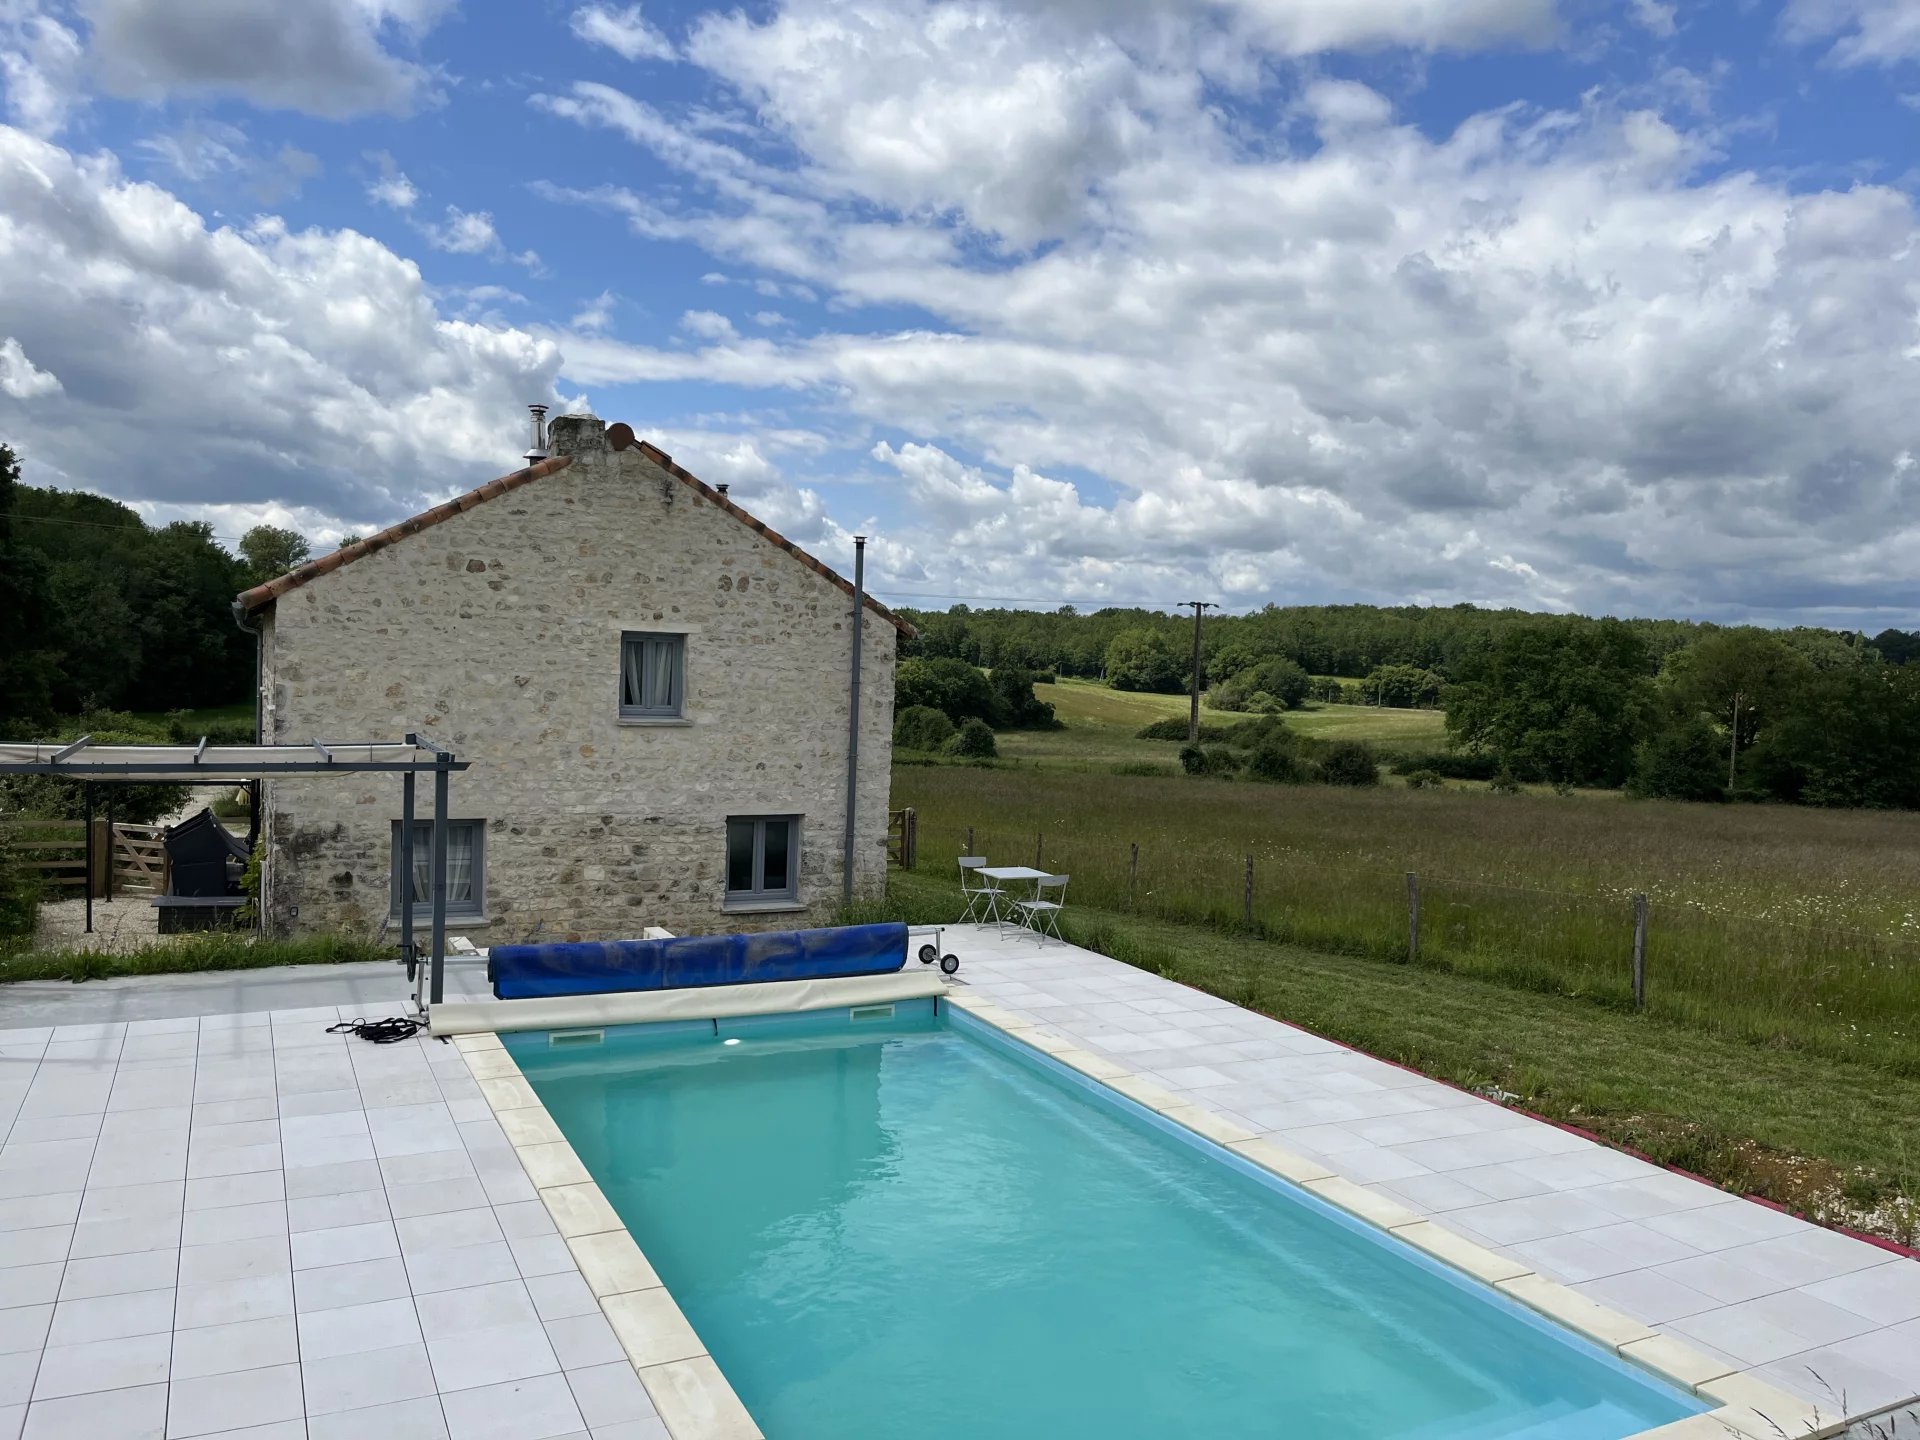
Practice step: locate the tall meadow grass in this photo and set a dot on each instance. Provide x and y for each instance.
(1781, 926)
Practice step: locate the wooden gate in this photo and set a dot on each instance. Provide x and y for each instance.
(903, 838)
(139, 859)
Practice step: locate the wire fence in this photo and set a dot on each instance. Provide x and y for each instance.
(1832, 990)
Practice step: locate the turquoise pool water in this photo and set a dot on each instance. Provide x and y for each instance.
(906, 1227)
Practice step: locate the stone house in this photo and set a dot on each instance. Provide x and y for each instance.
(652, 686)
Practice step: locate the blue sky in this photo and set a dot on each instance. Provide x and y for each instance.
(1569, 305)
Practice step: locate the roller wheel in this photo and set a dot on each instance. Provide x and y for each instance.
(949, 964)
(928, 954)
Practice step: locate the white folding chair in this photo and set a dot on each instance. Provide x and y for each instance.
(1041, 915)
(983, 899)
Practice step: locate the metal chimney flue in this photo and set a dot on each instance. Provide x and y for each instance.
(721, 487)
(538, 451)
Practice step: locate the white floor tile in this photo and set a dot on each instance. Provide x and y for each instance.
(535, 1409)
(234, 1260)
(138, 1414)
(435, 1270)
(120, 1274)
(361, 1283)
(110, 1317)
(344, 1244)
(402, 1420)
(245, 1345)
(23, 1327)
(480, 1307)
(480, 1357)
(229, 1302)
(332, 1212)
(103, 1365)
(214, 1403)
(580, 1341)
(374, 1377)
(223, 1192)
(235, 1222)
(355, 1329)
(610, 1395)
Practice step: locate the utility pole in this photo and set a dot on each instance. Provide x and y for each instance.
(1733, 747)
(1200, 607)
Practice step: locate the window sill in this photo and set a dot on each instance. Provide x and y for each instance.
(423, 922)
(761, 907)
(657, 722)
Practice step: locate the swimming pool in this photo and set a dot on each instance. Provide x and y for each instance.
(908, 1225)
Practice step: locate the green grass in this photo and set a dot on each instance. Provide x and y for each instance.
(1746, 1116)
(1789, 927)
(186, 954)
(211, 718)
(1100, 727)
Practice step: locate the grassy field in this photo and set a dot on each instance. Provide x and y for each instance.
(1793, 928)
(1100, 726)
(1833, 1140)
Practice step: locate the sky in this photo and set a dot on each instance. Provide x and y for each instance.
(1560, 304)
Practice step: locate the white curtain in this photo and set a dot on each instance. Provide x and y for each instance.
(459, 864)
(660, 663)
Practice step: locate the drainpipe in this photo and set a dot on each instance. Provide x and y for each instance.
(853, 714)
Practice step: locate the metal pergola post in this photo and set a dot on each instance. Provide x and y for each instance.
(406, 873)
(440, 777)
(88, 882)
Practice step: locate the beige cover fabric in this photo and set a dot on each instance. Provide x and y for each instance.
(712, 1002)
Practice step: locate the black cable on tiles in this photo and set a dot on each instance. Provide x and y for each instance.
(380, 1032)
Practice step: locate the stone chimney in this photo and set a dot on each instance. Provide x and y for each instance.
(576, 434)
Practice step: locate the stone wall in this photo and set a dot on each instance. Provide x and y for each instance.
(497, 633)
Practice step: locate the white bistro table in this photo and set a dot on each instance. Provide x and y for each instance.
(1004, 873)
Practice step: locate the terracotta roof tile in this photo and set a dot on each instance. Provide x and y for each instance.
(619, 437)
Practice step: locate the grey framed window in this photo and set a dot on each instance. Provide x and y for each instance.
(653, 676)
(466, 870)
(763, 858)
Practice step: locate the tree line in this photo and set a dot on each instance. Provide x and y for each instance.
(1668, 708)
(105, 612)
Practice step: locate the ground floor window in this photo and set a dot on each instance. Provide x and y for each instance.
(466, 870)
(763, 857)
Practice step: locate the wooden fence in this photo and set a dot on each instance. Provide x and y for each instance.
(127, 858)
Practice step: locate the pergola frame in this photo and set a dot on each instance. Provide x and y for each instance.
(107, 764)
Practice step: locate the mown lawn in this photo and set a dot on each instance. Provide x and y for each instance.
(1833, 1140)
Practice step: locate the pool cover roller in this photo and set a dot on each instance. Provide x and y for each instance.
(524, 972)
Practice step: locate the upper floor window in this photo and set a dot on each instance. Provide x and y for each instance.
(653, 676)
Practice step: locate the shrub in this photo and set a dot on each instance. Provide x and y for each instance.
(1174, 727)
(1504, 783)
(921, 727)
(1138, 767)
(1208, 760)
(1426, 780)
(1349, 762)
(1269, 686)
(1276, 763)
(1452, 764)
(19, 893)
(1682, 762)
(1015, 705)
(953, 687)
(974, 740)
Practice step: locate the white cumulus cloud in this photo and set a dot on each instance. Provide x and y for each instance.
(626, 32)
(20, 377)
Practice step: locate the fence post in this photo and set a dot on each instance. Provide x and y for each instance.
(1639, 952)
(1133, 875)
(1039, 848)
(912, 846)
(100, 860)
(1413, 918)
(1249, 898)
(969, 839)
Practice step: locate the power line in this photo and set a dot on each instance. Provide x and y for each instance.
(1106, 602)
(141, 529)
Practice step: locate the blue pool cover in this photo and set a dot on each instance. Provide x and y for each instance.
(524, 972)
